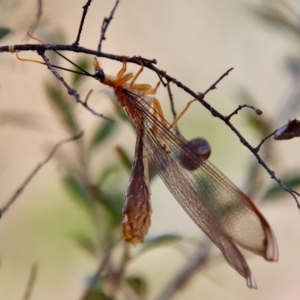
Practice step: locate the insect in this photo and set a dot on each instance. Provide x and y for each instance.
(213, 202)
(227, 216)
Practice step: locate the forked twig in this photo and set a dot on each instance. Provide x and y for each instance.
(36, 170)
(40, 48)
(71, 91)
(257, 148)
(217, 114)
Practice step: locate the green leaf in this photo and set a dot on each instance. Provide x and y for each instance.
(61, 105)
(276, 17)
(101, 133)
(92, 294)
(160, 240)
(95, 290)
(259, 124)
(110, 170)
(77, 189)
(87, 244)
(85, 64)
(138, 284)
(124, 158)
(3, 32)
(111, 202)
(276, 190)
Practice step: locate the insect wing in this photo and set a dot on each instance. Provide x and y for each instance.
(212, 201)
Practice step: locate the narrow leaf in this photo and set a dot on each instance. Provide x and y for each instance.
(160, 240)
(276, 190)
(4, 31)
(84, 64)
(59, 102)
(101, 133)
(76, 188)
(124, 158)
(110, 170)
(87, 244)
(138, 284)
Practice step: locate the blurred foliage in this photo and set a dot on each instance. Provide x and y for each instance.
(104, 206)
(282, 15)
(102, 132)
(275, 190)
(138, 284)
(279, 14)
(3, 32)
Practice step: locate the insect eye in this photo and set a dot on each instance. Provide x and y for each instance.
(100, 75)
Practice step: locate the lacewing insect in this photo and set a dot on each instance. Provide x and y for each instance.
(213, 202)
(227, 216)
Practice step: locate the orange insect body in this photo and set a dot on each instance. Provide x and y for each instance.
(212, 201)
(137, 207)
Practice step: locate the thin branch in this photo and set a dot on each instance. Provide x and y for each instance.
(105, 24)
(257, 148)
(33, 173)
(59, 47)
(193, 265)
(31, 282)
(217, 114)
(71, 91)
(150, 65)
(118, 274)
(240, 107)
(85, 10)
(102, 266)
(214, 85)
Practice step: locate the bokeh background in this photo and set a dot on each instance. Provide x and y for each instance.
(195, 41)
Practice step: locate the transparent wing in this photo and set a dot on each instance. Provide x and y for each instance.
(214, 203)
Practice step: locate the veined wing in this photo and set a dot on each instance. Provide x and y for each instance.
(213, 202)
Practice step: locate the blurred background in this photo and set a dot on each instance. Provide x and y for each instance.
(68, 218)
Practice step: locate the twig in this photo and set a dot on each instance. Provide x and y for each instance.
(71, 91)
(217, 114)
(88, 96)
(257, 148)
(193, 265)
(150, 65)
(105, 25)
(118, 274)
(240, 107)
(85, 9)
(36, 170)
(31, 282)
(102, 266)
(59, 47)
